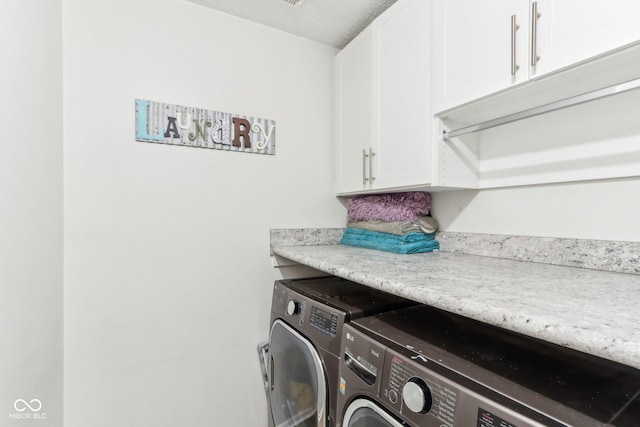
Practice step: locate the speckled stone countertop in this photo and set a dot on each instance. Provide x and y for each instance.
(588, 310)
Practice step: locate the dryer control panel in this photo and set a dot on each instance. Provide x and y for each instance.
(319, 322)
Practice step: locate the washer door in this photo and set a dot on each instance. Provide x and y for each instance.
(297, 385)
(365, 413)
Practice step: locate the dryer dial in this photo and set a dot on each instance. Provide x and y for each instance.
(417, 396)
(293, 307)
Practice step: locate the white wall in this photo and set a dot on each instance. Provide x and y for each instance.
(31, 212)
(167, 270)
(599, 210)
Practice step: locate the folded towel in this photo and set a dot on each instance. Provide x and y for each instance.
(414, 242)
(389, 207)
(426, 224)
(414, 236)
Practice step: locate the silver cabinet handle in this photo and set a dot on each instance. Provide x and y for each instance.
(534, 33)
(364, 166)
(371, 154)
(514, 27)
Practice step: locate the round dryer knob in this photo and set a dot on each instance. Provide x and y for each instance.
(417, 396)
(293, 308)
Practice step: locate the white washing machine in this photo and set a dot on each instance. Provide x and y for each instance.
(307, 319)
(423, 367)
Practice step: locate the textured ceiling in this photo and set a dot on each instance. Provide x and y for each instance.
(330, 22)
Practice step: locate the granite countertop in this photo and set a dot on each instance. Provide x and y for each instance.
(588, 310)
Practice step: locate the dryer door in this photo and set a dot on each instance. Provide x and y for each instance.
(365, 413)
(297, 385)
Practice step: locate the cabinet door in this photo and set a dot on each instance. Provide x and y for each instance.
(472, 49)
(402, 127)
(571, 31)
(354, 103)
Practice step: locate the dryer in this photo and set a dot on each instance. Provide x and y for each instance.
(422, 367)
(307, 319)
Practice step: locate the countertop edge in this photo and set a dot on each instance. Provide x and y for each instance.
(603, 255)
(621, 346)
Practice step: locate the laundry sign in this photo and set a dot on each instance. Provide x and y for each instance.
(196, 127)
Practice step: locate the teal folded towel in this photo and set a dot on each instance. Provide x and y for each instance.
(410, 243)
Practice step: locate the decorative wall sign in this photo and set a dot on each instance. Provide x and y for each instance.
(195, 127)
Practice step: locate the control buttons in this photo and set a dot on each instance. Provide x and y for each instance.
(293, 308)
(417, 396)
(393, 396)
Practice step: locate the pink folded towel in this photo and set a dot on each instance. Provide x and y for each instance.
(389, 207)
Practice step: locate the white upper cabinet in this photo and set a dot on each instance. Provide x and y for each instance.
(572, 31)
(481, 48)
(401, 72)
(354, 112)
(382, 95)
(478, 48)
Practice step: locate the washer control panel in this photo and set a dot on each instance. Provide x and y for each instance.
(417, 394)
(421, 397)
